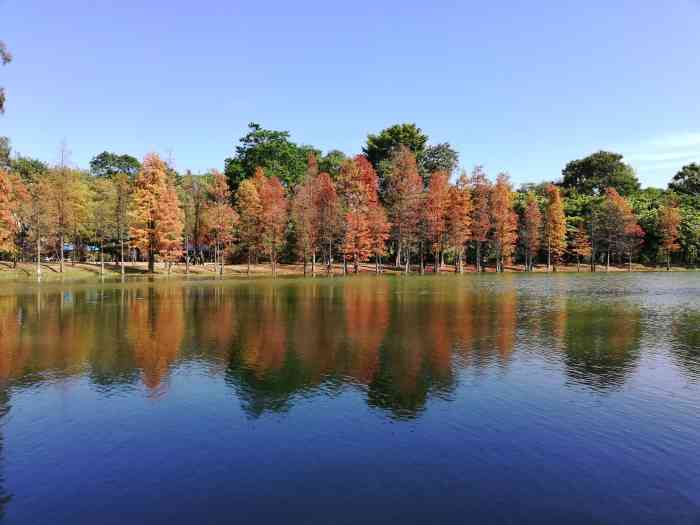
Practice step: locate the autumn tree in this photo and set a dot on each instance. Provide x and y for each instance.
(481, 215)
(8, 212)
(357, 245)
(194, 198)
(379, 232)
(221, 217)
(554, 227)
(274, 217)
(616, 227)
(437, 212)
(669, 219)
(404, 199)
(581, 246)
(305, 218)
(249, 210)
(459, 218)
(67, 206)
(156, 217)
(504, 220)
(531, 230)
(328, 215)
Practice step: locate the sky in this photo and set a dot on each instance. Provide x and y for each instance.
(521, 87)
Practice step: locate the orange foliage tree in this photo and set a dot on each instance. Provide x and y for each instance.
(481, 216)
(436, 213)
(459, 219)
(504, 220)
(13, 195)
(531, 231)
(274, 217)
(327, 215)
(156, 218)
(617, 227)
(249, 210)
(669, 219)
(555, 226)
(221, 217)
(404, 189)
(581, 246)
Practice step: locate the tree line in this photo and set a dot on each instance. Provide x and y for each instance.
(400, 202)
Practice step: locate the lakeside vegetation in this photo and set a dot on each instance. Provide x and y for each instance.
(400, 205)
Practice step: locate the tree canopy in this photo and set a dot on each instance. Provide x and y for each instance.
(593, 174)
(380, 147)
(687, 180)
(271, 150)
(108, 164)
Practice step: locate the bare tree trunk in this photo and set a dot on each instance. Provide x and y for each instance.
(306, 261)
(313, 263)
(121, 248)
(250, 256)
(607, 261)
(408, 259)
(668, 260)
(549, 255)
(187, 255)
(38, 257)
(102, 257)
(60, 256)
(376, 264)
(478, 256)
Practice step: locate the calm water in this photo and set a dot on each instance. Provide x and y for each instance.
(495, 399)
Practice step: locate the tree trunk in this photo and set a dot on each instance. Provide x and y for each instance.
(313, 263)
(250, 256)
(607, 262)
(151, 260)
(376, 265)
(102, 257)
(357, 265)
(121, 248)
(306, 260)
(60, 256)
(38, 257)
(668, 260)
(478, 256)
(408, 260)
(438, 261)
(187, 256)
(549, 255)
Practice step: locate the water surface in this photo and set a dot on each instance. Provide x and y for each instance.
(444, 399)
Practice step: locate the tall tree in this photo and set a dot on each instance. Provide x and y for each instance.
(459, 220)
(405, 188)
(481, 215)
(249, 210)
(582, 245)
(592, 175)
(331, 162)
(616, 227)
(328, 215)
(221, 217)
(437, 213)
(108, 164)
(268, 149)
(5, 58)
(274, 217)
(438, 158)
(531, 230)
(195, 192)
(103, 218)
(383, 145)
(504, 220)
(67, 205)
(8, 210)
(156, 217)
(687, 180)
(357, 243)
(555, 227)
(379, 229)
(669, 220)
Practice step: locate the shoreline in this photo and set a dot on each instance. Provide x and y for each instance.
(82, 272)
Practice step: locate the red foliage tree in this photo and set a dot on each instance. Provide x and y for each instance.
(669, 219)
(274, 218)
(221, 217)
(459, 219)
(437, 212)
(531, 231)
(481, 216)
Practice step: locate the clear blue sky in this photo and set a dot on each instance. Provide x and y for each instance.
(518, 86)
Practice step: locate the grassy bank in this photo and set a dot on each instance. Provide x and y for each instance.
(50, 272)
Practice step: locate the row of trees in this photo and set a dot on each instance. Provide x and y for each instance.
(399, 200)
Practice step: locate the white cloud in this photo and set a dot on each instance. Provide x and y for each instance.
(658, 159)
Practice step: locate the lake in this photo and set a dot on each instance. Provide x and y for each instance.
(445, 399)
